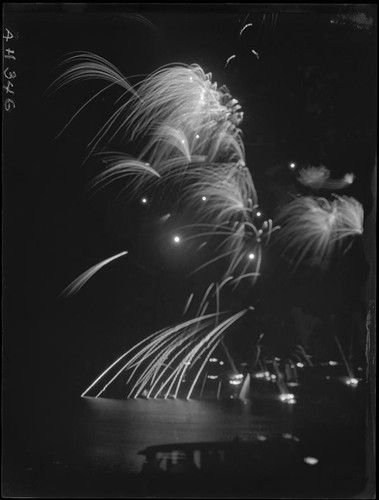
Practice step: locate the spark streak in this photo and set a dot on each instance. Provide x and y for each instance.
(245, 27)
(79, 282)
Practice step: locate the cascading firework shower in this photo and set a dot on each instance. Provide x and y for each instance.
(186, 130)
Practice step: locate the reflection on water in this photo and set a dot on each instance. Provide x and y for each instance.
(117, 430)
(72, 444)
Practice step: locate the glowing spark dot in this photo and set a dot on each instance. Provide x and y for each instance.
(144, 201)
(197, 136)
(221, 363)
(261, 438)
(333, 363)
(251, 256)
(177, 239)
(204, 198)
(292, 165)
(352, 381)
(213, 377)
(311, 460)
(259, 214)
(300, 365)
(349, 178)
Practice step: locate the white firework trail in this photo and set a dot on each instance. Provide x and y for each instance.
(74, 287)
(245, 27)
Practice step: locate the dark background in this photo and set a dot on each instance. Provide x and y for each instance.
(310, 98)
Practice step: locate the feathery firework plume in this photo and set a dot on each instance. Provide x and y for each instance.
(189, 131)
(311, 227)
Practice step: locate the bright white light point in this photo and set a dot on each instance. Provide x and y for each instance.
(221, 363)
(144, 200)
(311, 460)
(292, 165)
(204, 198)
(349, 178)
(251, 256)
(197, 136)
(177, 239)
(259, 214)
(333, 363)
(183, 141)
(300, 365)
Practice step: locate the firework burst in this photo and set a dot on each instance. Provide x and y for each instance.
(312, 227)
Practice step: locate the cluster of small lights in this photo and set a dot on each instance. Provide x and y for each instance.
(213, 377)
(213, 360)
(235, 382)
(236, 379)
(287, 398)
(333, 363)
(265, 375)
(287, 435)
(352, 381)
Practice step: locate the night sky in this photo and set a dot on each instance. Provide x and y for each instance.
(309, 98)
